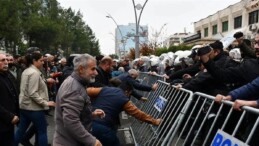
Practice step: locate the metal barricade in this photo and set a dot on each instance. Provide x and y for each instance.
(167, 103)
(205, 118)
(148, 79)
(191, 119)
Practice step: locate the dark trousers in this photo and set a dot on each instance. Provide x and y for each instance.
(32, 130)
(7, 137)
(105, 134)
(39, 121)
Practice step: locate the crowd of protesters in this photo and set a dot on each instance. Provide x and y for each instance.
(215, 72)
(88, 93)
(34, 84)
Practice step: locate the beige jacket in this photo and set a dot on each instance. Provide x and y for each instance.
(33, 90)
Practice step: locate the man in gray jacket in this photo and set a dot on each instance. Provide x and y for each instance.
(73, 113)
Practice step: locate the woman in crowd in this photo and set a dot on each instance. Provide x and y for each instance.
(33, 100)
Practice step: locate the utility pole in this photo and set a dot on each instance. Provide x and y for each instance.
(137, 20)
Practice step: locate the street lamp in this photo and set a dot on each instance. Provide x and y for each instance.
(122, 40)
(137, 19)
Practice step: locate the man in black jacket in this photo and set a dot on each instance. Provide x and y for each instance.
(244, 45)
(16, 71)
(9, 105)
(244, 73)
(192, 70)
(204, 82)
(104, 72)
(131, 77)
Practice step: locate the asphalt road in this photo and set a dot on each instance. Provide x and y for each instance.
(122, 134)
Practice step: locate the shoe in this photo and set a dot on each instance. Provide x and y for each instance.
(26, 143)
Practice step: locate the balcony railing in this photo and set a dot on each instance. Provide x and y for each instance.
(191, 38)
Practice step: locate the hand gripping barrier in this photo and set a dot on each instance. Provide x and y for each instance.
(166, 103)
(146, 79)
(192, 119)
(205, 118)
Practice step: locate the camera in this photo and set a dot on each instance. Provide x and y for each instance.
(203, 50)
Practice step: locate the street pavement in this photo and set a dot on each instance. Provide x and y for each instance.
(124, 135)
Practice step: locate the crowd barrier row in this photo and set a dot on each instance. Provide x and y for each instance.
(192, 119)
(146, 79)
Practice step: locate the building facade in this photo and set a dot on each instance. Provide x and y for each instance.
(176, 39)
(242, 16)
(125, 38)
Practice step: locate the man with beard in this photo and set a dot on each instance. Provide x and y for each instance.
(9, 106)
(73, 107)
(16, 71)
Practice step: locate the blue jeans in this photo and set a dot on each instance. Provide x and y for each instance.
(105, 134)
(39, 121)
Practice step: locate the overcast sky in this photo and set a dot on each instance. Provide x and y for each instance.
(176, 14)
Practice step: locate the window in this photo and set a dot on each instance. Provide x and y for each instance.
(214, 29)
(224, 26)
(253, 17)
(238, 22)
(206, 32)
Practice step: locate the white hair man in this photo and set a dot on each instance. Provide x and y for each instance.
(8, 104)
(73, 106)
